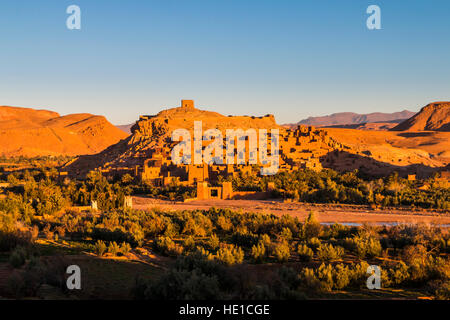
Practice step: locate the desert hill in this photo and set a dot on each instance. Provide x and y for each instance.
(401, 149)
(347, 118)
(29, 132)
(152, 132)
(433, 117)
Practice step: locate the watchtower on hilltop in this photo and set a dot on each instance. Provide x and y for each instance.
(187, 104)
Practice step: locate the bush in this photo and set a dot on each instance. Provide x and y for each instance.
(180, 285)
(398, 274)
(286, 234)
(258, 252)
(281, 251)
(311, 228)
(18, 257)
(325, 276)
(309, 279)
(49, 235)
(329, 253)
(189, 243)
(113, 248)
(305, 253)
(167, 246)
(265, 239)
(213, 242)
(125, 248)
(443, 292)
(342, 276)
(314, 243)
(100, 248)
(230, 255)
(364, 246)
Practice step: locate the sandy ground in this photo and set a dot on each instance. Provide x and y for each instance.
(325, 213)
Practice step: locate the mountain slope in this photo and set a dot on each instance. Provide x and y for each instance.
(29, 132)
(345, 118)
(154, 131)
(433, 117)
(125, 127)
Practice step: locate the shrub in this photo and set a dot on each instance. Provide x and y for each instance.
(180, 285)
(230, 255)
(167, 246)
(189, 243)
(213, 242)
(309, 279)
(359, 274)
(311, 228)
(244, 239)
(286, 234)
(125, 248)
(399, 273)
(328, 253)
(314, 243)
(338, 231)
(113, 248)
(18, 257)
(325, 276)
(265, 239)
(364, 246)
(258, 252)
(49, 235)
(224, 223)
(443, 291)
(281, 251)
(100, 248)
(305, 253)
(342, 276)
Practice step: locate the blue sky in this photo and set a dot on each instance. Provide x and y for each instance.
(245, 57)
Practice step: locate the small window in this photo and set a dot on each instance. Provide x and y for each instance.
(214, 193)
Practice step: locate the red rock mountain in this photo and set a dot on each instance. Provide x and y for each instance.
(30, 132)
(433, 117)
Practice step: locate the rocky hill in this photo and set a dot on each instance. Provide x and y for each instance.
(154, 131)
(29, 132)
(433, 117)
(378, 152)
(346, 118)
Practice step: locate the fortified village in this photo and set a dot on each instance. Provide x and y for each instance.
(146, 154)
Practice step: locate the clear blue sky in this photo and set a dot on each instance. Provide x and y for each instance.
(291, 58)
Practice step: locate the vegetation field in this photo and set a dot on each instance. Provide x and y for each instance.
(217, 253)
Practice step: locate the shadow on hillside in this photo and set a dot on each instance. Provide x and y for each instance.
(416, 134)
(346, 161)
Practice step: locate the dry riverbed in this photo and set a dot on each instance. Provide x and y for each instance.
(326, 213)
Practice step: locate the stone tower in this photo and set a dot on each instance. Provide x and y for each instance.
(187, 104)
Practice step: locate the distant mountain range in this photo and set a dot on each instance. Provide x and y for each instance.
(125, 127)
(348, 118)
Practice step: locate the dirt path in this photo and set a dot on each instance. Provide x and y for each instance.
(328, 213)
